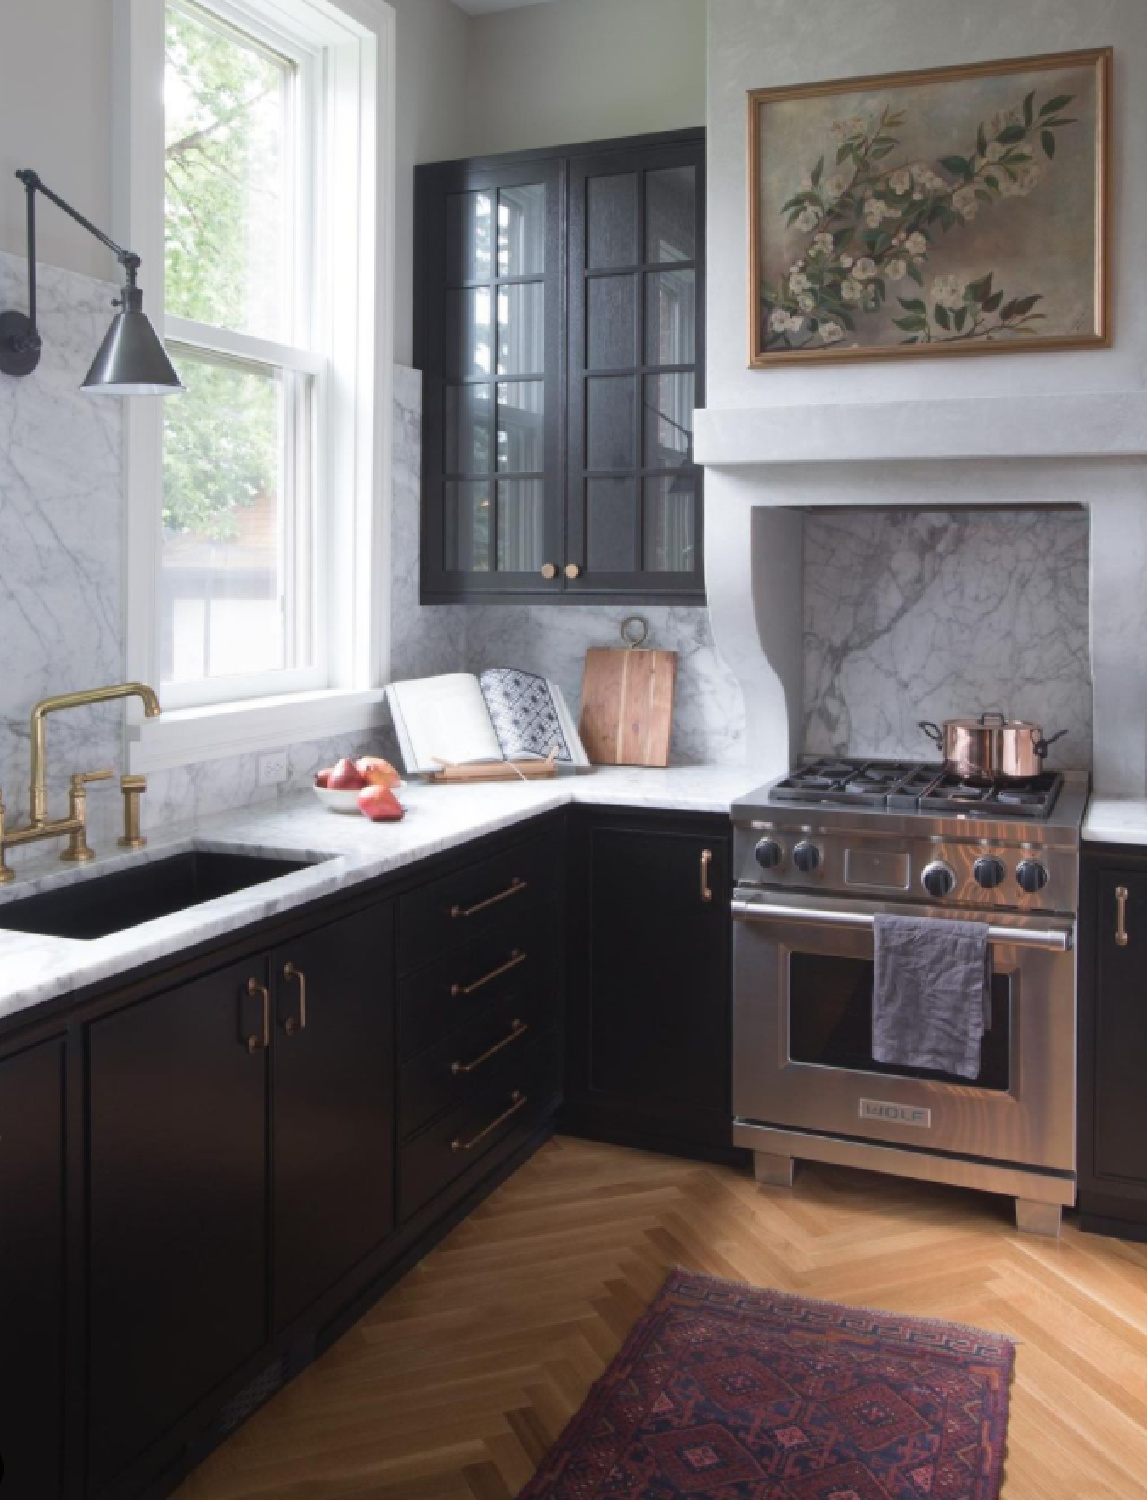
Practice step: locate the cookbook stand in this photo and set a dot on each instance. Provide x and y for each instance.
(500, 770)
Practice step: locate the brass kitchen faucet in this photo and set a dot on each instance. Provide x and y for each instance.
(75, 825)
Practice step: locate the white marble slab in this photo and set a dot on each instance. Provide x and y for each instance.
(1116, 820)
(347, 851)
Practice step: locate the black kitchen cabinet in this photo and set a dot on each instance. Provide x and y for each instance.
(1111, 1051)
(648, 1018)
(32, 1303)
(559, 326)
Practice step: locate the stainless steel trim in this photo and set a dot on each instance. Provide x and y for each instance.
(1059, 940)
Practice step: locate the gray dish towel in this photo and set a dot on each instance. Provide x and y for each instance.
(931, 995)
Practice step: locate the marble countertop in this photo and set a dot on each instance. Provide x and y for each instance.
(1115, 820)
(346, 849)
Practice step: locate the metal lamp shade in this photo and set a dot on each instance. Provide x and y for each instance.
(131, 360)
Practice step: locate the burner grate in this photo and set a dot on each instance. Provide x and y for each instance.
(915, 786)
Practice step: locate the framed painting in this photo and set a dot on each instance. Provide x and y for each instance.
(958, 210)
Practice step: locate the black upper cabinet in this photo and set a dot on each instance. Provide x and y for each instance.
(559, 327)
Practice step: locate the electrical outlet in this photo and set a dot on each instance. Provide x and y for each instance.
(271, 769)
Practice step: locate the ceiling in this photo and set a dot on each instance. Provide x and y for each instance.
(488, 7)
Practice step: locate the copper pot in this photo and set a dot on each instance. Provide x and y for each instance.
(991, 747)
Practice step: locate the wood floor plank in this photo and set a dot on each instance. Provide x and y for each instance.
(457, 1382)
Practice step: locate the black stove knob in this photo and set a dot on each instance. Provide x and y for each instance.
(1031, 876)
(806, 857)
(938, 878)
(769, 854)
(988, 872)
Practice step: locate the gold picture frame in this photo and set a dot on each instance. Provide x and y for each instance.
(838, 204)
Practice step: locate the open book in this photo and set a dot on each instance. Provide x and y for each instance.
(463, 720)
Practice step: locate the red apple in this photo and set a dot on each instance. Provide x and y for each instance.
(344, 778)
(380, 804)
(322, 777)
(377, 772)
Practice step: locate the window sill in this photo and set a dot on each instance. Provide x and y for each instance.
(188, 735)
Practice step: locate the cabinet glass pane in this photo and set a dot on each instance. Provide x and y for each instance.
(670, 318)
(468, 236)
(521, 406)
(520, 525)
(467, 429)
(611, 530)
(467, 539)
(610, 306)
(469, 335)
(611, 220)
(521, 331)
(522, 230)
(669, 420)
(668, 524)
(670, 214)
(610, 422)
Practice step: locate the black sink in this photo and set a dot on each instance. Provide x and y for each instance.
(104, 904)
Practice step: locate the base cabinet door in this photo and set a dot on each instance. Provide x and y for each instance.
(31, 1272)
(178, 1206)
(649, 1010)
(332, 1104)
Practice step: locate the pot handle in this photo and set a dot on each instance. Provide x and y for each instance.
(1040, 744)
(986, 719)
(932, 730)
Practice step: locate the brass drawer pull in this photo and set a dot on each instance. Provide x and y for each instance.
(517, 957)
(512, 889)
(259, 1042)
(517, 1028)
(704, 875)
(519, 1101)
(293, 1025)
(1122, 916)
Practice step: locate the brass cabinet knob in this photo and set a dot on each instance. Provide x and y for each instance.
(550, 570)
(572, 570)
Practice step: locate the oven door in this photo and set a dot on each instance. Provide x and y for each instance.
(803, 995)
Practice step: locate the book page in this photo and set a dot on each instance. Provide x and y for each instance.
(530, 717)
(442, 719)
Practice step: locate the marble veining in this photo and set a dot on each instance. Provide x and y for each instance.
(942, 614)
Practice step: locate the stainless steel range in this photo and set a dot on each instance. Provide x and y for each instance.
(819, 854)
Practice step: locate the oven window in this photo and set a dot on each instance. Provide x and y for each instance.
(831, 1020)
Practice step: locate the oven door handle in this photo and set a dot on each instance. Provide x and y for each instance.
(1059, 940)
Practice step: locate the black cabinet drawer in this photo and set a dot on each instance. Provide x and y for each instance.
(447, 913)
(517, 957)
(474, 1057)
(525, 1093)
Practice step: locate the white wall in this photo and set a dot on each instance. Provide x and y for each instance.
(551, 75)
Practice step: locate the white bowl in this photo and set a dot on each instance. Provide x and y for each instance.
(347, 802)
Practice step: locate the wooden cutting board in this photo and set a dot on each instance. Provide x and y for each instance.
(628, 705)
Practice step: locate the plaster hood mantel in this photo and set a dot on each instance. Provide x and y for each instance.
(1020, 427)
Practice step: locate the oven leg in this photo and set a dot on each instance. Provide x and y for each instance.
(1038, 1218)
(777, 1171)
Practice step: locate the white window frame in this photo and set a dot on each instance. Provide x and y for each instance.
(350, 47)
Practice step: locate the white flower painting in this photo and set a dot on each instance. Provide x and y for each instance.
(960, 210)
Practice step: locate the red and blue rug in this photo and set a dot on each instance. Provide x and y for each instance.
(730, 1392)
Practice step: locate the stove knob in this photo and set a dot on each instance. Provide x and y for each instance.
(806, 857)
(769, 854)
(938, 878)
(1031, 876)
(988, 872)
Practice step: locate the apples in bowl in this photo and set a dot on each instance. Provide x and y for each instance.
(370, 786)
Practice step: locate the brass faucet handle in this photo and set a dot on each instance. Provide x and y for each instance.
(81, 778)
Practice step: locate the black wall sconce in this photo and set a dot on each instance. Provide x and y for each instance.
(131, 360)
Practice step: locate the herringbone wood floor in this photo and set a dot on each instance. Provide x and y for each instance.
(460, 1378)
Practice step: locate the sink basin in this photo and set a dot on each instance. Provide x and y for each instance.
(105, 904)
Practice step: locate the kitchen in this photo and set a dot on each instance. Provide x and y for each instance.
(250, 1256)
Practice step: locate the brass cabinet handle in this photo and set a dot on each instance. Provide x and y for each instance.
(550, 570)
(518, 1100)
(704, 875)
(260, 1041)
(572, 570)
(517, 1028)
(295, 1024)
(517, 957)
(1122, 916)
(512, 889)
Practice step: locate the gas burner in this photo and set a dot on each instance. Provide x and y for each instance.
(908, 786)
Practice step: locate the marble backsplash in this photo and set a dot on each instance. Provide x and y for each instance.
(915, 615)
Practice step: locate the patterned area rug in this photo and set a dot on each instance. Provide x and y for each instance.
(728, 1392)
